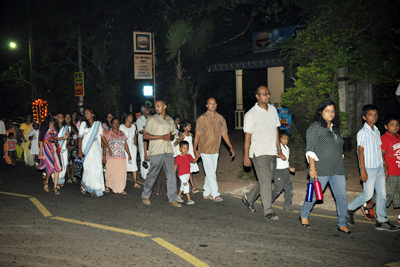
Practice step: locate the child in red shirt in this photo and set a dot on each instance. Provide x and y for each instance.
(182, 163)
(391, 154)
(11, 147)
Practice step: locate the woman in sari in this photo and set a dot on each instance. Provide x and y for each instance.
(10, 129)
(91, 152)
(25, 129)
(51, 161)
(63, 132)
(116, 163)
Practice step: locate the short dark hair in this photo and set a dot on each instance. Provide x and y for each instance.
(182, 143)
(10, 135)
(162, 101)
(176, 117)
(283, 132)
(367, 108)
(389, 118)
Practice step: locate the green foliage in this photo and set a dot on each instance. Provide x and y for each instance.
(311, 88)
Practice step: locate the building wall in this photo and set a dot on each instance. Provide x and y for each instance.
(276, 84)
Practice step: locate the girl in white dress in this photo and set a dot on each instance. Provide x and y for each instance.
(34, 136)
(129, 130)
(186, 135)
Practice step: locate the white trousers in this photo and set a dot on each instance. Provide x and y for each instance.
(210, 162)
(184, 183)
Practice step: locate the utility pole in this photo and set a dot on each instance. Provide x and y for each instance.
(80, 104)
(31, 57)
(154, 69)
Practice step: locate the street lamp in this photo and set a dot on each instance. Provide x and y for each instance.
(13, 45)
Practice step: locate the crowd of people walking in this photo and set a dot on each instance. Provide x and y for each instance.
(73, 146)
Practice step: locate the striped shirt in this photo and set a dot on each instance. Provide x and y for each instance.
(370, 140)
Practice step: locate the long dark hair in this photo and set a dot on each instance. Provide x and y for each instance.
(318, 115)
(55, 123)
(125, 116)
(183, 124)
(72, 125)
(88, 125)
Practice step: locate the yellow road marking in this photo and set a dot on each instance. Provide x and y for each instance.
(393, 264)
(184, 255)
(40, 206)
(105, 227)
(13, 194)
(311, 214)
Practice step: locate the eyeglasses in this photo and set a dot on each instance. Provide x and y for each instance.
(265, 94)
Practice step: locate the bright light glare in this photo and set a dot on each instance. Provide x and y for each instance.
(13, 45)
(148, 90)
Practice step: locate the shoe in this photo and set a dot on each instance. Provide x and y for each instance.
(146, 201)
(350, 217)
(386, 226)
(303, 224)
(175, 204)
(289, 209)
(348, 232)
(190, 202)
(218, 199)
(368, 213)
(180, 199)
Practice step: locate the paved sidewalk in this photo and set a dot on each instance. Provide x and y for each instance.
(229, 183)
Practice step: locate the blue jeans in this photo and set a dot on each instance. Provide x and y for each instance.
(376, 180)
(338, 186)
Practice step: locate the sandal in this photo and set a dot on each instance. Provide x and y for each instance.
(69, 181)
(272, 216)
(83, 190)
(58, 187)
(44, 175)
(208, 197)
(107, 190)
(136, 186)
(250, 206)
(46, 187)
(195, 190)
(123, 193)
(74, 179)
(56, 191)
(218, 199)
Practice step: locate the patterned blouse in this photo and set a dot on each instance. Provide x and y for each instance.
(116, 143)
(327, 144)
(51, 136)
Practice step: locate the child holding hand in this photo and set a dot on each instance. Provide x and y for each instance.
(12, 147)
(182, 163)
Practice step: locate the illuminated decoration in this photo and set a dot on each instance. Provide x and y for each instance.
(39, 109)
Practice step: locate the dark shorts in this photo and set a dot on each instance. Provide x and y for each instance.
(12, 154)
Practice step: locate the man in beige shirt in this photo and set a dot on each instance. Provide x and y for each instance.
(210, 126)
(158, 131)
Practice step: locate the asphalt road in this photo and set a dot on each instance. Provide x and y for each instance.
(71, 229)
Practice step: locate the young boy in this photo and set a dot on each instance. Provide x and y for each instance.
(182, 163)
(12, 148)
(282, 179)
(372, 171)
(391, 153)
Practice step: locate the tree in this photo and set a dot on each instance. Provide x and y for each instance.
(355, 34)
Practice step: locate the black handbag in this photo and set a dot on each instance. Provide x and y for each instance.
(78, 168)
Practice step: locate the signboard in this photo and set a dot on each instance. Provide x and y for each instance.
(143, 66)
(79, 84)
(285, 117)
(142, 42)
(264, 41)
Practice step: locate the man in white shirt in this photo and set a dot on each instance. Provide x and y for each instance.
(2, 136)
(140, 124)
(261, 124)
